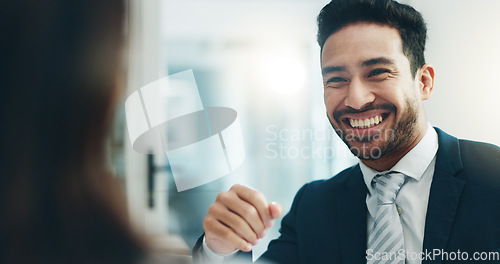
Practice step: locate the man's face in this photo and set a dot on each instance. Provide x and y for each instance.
(371, 97)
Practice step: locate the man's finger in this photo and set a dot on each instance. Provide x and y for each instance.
(235, 222)
(275, 209)
(221, 238)
(255, 198)
(243, 209)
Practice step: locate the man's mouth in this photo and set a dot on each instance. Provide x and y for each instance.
(368, 122)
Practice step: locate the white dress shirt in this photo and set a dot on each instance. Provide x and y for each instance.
(211, 257)
(412, 199)
(418, 164)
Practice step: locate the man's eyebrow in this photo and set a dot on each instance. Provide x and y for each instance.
(370, 62)
(380, 60)
(332, 69)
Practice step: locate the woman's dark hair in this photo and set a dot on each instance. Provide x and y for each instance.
(60, 61)
(409, 22)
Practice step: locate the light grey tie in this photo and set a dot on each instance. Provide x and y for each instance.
(386, 234)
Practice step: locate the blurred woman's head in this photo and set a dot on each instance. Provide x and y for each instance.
(60, 66)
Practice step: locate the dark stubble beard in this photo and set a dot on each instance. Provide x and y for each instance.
(402, 132)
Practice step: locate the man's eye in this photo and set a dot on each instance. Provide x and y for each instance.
(336, 80)
(378, 72)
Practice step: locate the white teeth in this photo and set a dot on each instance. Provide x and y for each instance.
(366, 123)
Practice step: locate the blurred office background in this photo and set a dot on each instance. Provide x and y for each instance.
(260, 58)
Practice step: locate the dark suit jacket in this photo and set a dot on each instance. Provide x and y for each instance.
(327, 222)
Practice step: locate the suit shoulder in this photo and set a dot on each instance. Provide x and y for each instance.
(332, 183)
(479, 145)
(314, 196)
(481, 165)
(480, 153)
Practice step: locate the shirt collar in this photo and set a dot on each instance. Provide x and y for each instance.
(414, 163)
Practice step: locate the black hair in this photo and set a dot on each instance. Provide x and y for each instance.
(409, 22)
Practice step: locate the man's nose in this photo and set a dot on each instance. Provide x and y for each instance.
(358, 95)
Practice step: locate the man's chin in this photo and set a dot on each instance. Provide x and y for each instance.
(365, 151)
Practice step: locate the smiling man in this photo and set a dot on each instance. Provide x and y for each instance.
(418, 195)
(373, 97)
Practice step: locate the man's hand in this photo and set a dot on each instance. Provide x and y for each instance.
(238, 219)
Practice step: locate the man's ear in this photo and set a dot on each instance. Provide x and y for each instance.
(426, 81)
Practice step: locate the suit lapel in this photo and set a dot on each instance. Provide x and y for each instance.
(351, 218)
(445, 193)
